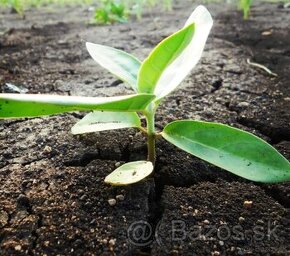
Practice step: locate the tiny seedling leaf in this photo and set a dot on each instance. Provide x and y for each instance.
(101, 121)
(130, 173)
(32, 105)
(161, 57)
(119, 63)
(234, 150)
(185, 59)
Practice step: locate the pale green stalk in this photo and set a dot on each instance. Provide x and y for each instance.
(151, 135)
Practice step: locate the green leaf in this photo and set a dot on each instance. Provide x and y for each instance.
(119, 63)
(161, 77)
(102, 121)
(31, 105)
(161, 57)
(130, 173)
(234, 150)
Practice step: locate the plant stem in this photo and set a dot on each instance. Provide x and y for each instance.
(150, 115)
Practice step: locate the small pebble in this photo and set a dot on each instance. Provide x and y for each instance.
(3, 218)
(47, 150)
(267, 33)
(18, 248)
(112, 202)
(174, 253)
(243, 104)
(215, 253)
(206, 222)
(118, 164)
(221, 243)
(120, 197)
(202, 237)
(112, 242)
(83, 197)
(241, 219)
(248, 204)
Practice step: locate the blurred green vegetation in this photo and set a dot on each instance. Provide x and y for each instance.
(20, 5)
(110, 11)
(107, 11)
(245, 6)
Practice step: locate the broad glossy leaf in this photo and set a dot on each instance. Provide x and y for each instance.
(130, 173)
(186, 60)
(31, 105)
(237, 151)
(161, 57)
(119, 63)
(101, 121)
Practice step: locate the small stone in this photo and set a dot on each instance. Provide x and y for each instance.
(120, 197)
(174, 253)
(260, 222)
(248, 204)
(112, 242)
(221, 243)
(47, 150)
(104, 241)
(18, 248)
(112, 202)
(206, 222)
(241, 219)
(3, 218)
(243, 104)
(267, 33)
(202, 237)
(118, 164)
(215, 253)
(233, 249)
(83, 197)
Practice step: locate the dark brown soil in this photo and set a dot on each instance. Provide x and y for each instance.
(52, 194)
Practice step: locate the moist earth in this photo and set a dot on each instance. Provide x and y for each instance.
(52, 194)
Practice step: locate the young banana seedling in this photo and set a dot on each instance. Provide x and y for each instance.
(160, 73)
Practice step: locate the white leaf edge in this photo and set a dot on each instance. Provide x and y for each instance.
(106, 121)
(105, 56)
(181, 67)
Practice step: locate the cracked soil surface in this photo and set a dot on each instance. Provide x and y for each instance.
(53, 200)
